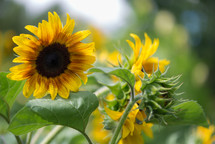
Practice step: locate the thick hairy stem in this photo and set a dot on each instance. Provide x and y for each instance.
(123, 118)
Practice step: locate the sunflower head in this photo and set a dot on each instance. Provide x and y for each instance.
(133, 126)
(143, 60)
(53, 60)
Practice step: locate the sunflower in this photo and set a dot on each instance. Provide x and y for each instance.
(206, 135)
(54, 60)
(99, 134)
(133, 126)
(143, 60)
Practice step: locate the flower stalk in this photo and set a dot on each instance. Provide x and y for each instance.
(123, 118)
(52, 134)
(18, 140)
(28, 139)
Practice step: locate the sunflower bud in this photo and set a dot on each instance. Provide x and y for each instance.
(159, 94)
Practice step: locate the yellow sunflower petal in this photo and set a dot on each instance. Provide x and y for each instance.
(114, 115)
(138, 85)
(63, 92)
(25, 52)
(140, 116)
(148, 41)
(79, 66)
(32, 29)
(22, 60)
(162, 64)
(150, 64)
(53, 89)
(154, 47)
(125, 130)
(34, 39)
(81, 74)
(147, 129)
(77, 37)
(70, 82)
(129, 128)
(52, 23)
(82, 48)
(41, 87)
(137, 44)
(21, 72)
(136, 138)
(29, 86)
(42, 32)
(23, 41)
(146, 47)
(21, 67)
(58, 24)
(70, 24)
(87, 59)
(19, 77)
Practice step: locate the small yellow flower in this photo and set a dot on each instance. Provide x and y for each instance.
(143, 58)
(134, 124)
(99, 134)
(54, 60)
(206, 134)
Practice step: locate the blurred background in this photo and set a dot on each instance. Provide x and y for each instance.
(185, 30)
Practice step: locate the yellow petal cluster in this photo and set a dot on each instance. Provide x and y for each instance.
(206, 134)
(143, 59)
(131, 130)
(99, 134)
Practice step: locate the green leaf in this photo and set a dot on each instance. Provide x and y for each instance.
(116, 89)
(73, 112)
(187, 113)
(119, 72)
(9, 90)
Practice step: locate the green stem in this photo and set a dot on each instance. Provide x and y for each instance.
(87, 138)
(28, 139)
(123, 118)
(52, 134)
(37, 135)
(132, 93)
(101, 91)
(18, 139)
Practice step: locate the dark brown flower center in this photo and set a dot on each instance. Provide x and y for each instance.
(53, 60)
